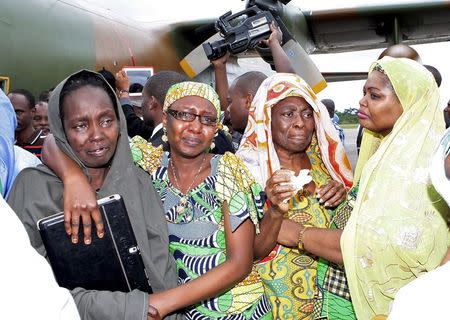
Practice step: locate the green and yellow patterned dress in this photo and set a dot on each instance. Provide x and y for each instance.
(297, 282)
(197, 235)
(334, 301)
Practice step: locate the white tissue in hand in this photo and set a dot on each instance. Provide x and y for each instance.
(298, 182)
(301, 180)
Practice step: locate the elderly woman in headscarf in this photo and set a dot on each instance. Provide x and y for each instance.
(212, 206)
(289, 131)
(89, 127)
(8, 124)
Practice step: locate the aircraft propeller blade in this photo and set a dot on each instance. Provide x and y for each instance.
(196, 62)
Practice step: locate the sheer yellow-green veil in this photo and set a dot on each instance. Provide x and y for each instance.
(369, 145)
(396, 231)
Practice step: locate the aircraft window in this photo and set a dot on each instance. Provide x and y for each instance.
(4, 84)
(138, 77)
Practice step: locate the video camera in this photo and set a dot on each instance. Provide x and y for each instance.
(240, 31)
(245, 29)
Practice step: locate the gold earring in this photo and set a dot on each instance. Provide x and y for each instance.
(164, 136)
(213, 145)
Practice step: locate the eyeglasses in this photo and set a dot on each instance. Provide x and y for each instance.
(189, 117)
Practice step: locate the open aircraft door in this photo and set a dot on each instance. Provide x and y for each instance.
(4, 84)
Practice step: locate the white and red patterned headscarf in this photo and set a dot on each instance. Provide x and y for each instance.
(257, 149)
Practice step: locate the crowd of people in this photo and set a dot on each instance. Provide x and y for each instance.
(251, 215)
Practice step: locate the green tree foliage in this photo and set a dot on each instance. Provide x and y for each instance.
(348, 116)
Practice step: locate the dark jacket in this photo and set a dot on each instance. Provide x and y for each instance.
(135, 125)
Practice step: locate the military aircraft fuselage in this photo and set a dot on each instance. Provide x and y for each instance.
(42, 41)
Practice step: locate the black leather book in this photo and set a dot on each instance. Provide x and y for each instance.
(112, 263)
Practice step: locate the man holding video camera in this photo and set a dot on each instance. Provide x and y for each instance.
(242, 90)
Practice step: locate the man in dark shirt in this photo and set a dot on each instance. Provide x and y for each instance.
(40, 118)
(240, 97)
(26, 136)
(153, 95)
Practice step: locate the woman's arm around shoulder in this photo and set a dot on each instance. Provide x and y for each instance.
(145, 155)
(79, 198)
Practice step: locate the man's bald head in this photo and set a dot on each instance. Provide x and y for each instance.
(154, 94)
(158, 84)
(249, 82)
(241, 94)
(329, 104)
(436, 74)
(400, 51)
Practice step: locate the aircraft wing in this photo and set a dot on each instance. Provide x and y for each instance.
(377, 26)
(340, 30)
(348, 29)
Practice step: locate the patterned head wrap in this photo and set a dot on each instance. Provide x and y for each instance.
(190, 88)
(257, 148)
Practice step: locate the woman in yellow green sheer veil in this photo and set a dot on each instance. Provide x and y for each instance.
(369, 145)
(395, 231)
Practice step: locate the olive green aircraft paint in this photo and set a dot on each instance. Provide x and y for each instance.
(37, 42)
(43, 41)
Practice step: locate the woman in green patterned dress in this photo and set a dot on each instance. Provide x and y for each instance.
(289, 128)
(211, 203)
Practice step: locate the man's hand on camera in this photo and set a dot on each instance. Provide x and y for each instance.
(275, 37)
(222, 61)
